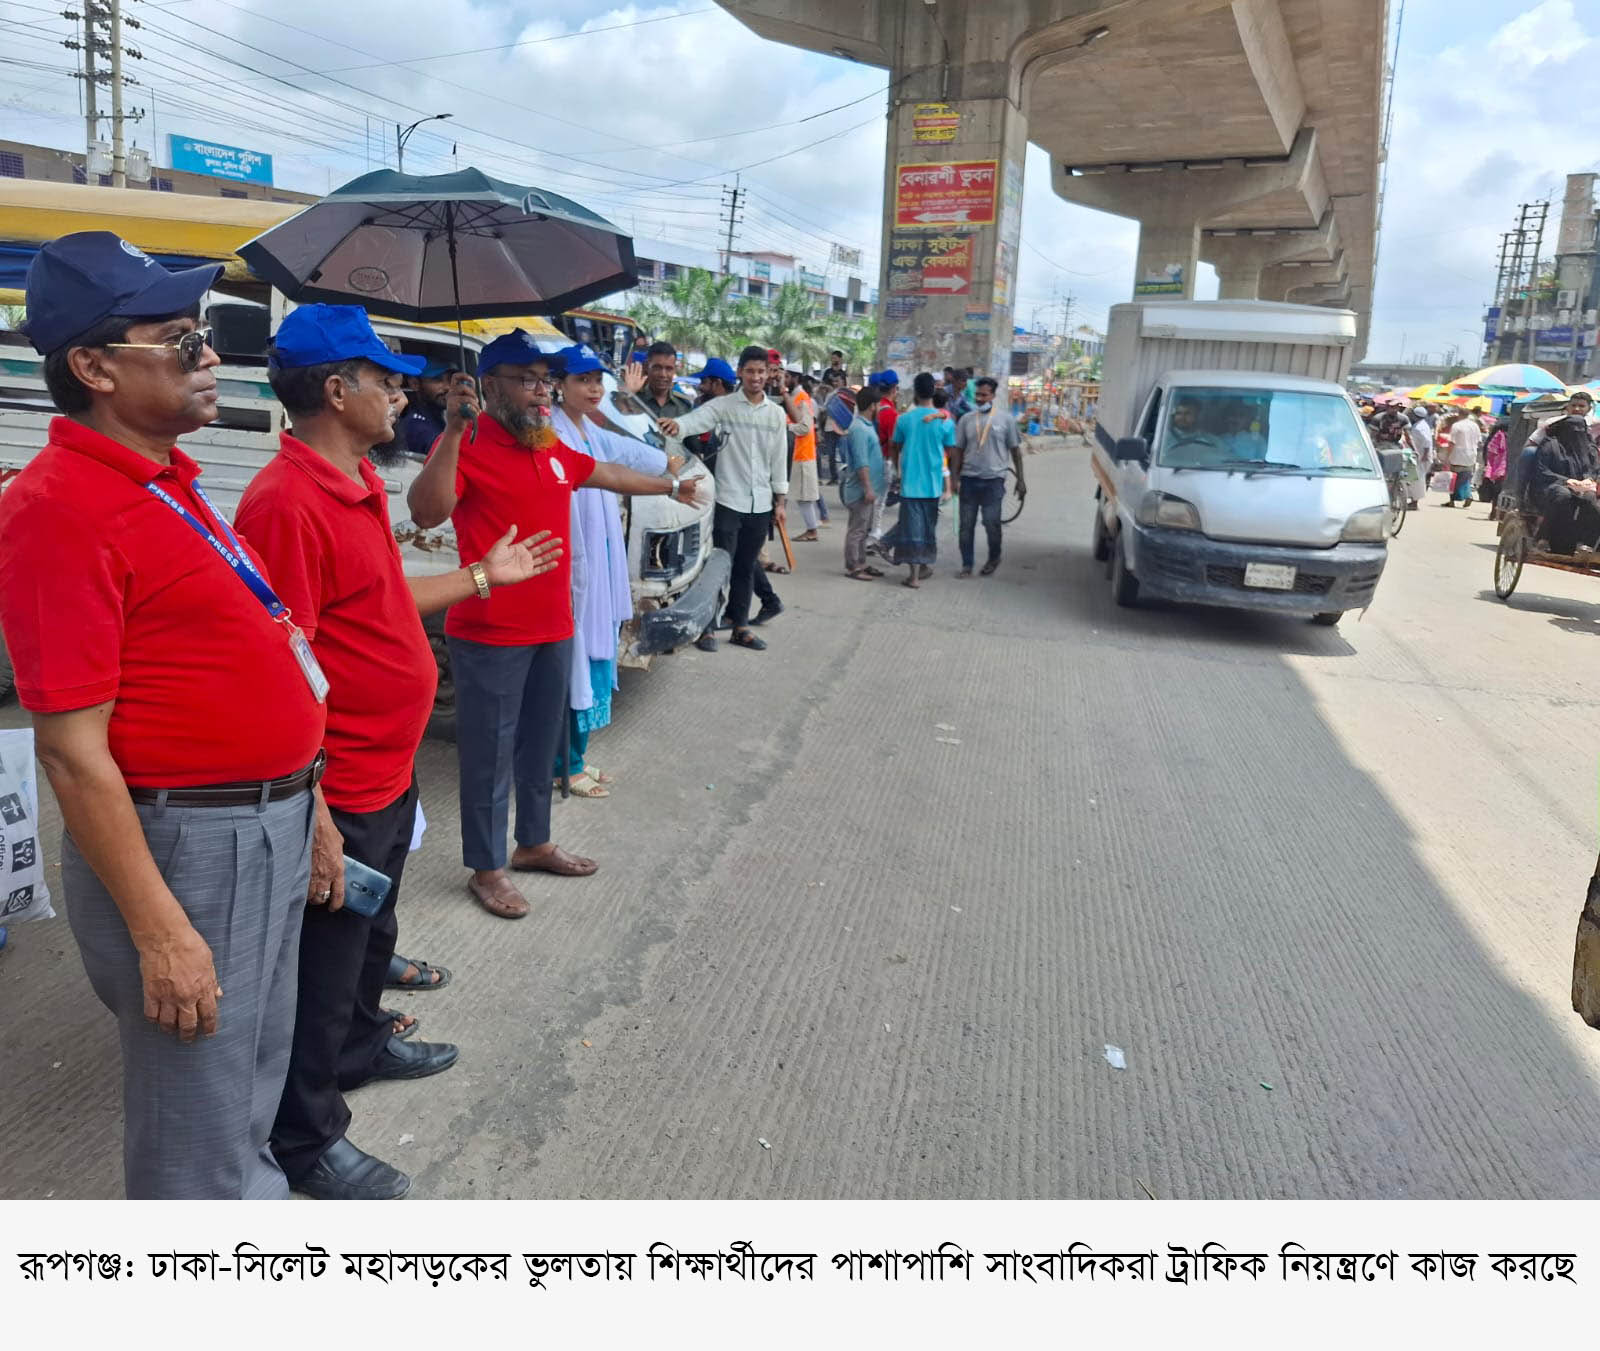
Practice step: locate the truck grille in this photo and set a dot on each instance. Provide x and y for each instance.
(670, 553)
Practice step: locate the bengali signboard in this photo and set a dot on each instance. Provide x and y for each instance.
(813, 281)
(931, 264)
(842, 256)
(762, 270)
(1491, 324)
(1005, 262)
(976, 321)
(934, 122)
(220, 161)
(1161, 281)
(928, 196)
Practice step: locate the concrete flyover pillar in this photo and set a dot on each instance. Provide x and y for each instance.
(1172, 201)
(959, 78)
(1335, 295)
(1241, 256)
(1278, 281)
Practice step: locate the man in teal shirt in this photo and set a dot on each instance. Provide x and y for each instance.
(921, 437)
(861, 481)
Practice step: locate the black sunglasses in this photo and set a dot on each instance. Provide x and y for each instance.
(190, 348)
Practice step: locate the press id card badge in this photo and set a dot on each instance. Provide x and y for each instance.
(310, 667)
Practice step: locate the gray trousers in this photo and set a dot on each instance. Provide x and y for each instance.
(197, 1117)
(511, 705)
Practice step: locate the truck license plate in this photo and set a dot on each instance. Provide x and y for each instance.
(1269, 576)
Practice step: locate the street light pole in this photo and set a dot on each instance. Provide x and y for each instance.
(402, 136)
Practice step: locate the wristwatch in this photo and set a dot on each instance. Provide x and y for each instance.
(674, 480)
(480, 579)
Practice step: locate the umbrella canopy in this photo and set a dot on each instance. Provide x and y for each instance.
(444, 246)
(1515, 375)
(1433, 393)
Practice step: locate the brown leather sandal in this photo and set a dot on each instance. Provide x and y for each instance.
(502, 898)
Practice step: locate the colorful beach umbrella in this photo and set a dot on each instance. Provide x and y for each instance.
(1514, 375)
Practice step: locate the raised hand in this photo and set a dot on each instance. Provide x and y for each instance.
(513, 560)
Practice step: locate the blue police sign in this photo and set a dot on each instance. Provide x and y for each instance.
(220, 161)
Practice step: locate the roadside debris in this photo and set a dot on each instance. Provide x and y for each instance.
(944, 727)
(407, 1138)
(948, 740)
(1115, 1058)
(1266, 1085)
(1147, 1190)
(760, 1140)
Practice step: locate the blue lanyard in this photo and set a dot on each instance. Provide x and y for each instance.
(232, 553)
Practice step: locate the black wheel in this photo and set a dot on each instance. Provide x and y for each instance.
(1328, 618)
(1509, 558)
(1398, 500)
(1011, 507)
(1102, 537)
(1124, 585)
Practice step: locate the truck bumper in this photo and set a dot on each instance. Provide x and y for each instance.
(691, 614)
(1185, 566)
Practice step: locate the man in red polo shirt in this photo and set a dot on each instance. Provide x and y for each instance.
(508, 652)
(178, 713)
(319, 515)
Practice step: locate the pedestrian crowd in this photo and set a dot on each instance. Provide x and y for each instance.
(1462, 452)
(230, 723)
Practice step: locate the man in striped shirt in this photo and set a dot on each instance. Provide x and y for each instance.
(752, 477)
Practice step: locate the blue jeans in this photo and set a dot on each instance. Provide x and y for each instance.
(985, 494)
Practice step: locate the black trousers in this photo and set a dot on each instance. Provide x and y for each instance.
(742, 533)
(339, 1027)
(1570, 520)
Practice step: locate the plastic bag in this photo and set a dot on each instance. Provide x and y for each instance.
(23, 893)
(1442, 482)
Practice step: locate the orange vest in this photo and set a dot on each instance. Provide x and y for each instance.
(805, 447)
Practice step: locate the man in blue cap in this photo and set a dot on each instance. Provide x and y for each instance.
(509, 653)
(319, 515)
(423, 421)
(178, 714)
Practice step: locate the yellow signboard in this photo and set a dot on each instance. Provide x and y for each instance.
(934, 122)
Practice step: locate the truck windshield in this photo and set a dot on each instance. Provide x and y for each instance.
(1273, 430)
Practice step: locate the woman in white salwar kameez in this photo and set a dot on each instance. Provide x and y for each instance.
(602, 599)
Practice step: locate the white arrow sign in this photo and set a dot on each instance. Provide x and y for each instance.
(940, 217)
(945, 283)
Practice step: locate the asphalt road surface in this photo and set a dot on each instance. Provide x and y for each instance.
(882, 896)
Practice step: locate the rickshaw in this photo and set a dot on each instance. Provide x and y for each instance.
(1521, 522)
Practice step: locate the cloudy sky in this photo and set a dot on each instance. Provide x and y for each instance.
(645, 111)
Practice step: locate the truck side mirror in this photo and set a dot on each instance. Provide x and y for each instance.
(1130, 448)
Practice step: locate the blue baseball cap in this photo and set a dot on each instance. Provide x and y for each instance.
(886, 378)
(80, 279)
(315, 335)
(718, 369)
(437, 370)
(515, 348)
(576, 360)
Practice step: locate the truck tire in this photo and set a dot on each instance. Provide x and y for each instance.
(8, 678)
(1102, 538)
(1124, 585)
(442, 721)
(1328, 618)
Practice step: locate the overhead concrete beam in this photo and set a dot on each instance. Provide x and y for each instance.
(1240, 256)
(1280, 279)
(1173, 201)
(1266, 48)
(1335, 295)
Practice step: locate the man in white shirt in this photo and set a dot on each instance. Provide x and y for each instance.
(1466, 438)
(752, 478)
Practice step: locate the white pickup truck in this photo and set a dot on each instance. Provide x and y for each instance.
(1232, 467)
(679, 578)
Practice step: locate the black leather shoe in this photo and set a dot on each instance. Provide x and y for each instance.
(706, 642)
(771, 610)
(345, 1173)
(412, 1059)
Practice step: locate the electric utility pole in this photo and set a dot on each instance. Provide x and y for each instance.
(732, 198)
(102, 38)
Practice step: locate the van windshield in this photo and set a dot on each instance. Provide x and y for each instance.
(1265, 431)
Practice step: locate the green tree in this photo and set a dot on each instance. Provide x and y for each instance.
(795, 328)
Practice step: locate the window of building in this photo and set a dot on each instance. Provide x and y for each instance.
(159, 184)
(841, 305)
(669, 271)
(758, 289)
(234, 192)
(860, 307)
(10, 164)
(79, 175)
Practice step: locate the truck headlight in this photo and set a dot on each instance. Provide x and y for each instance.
(1368, 527)
(1163, 509)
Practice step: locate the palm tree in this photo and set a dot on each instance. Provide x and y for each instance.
(693, 312)
(795, 328)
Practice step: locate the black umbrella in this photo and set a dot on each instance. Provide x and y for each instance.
(444, 246)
